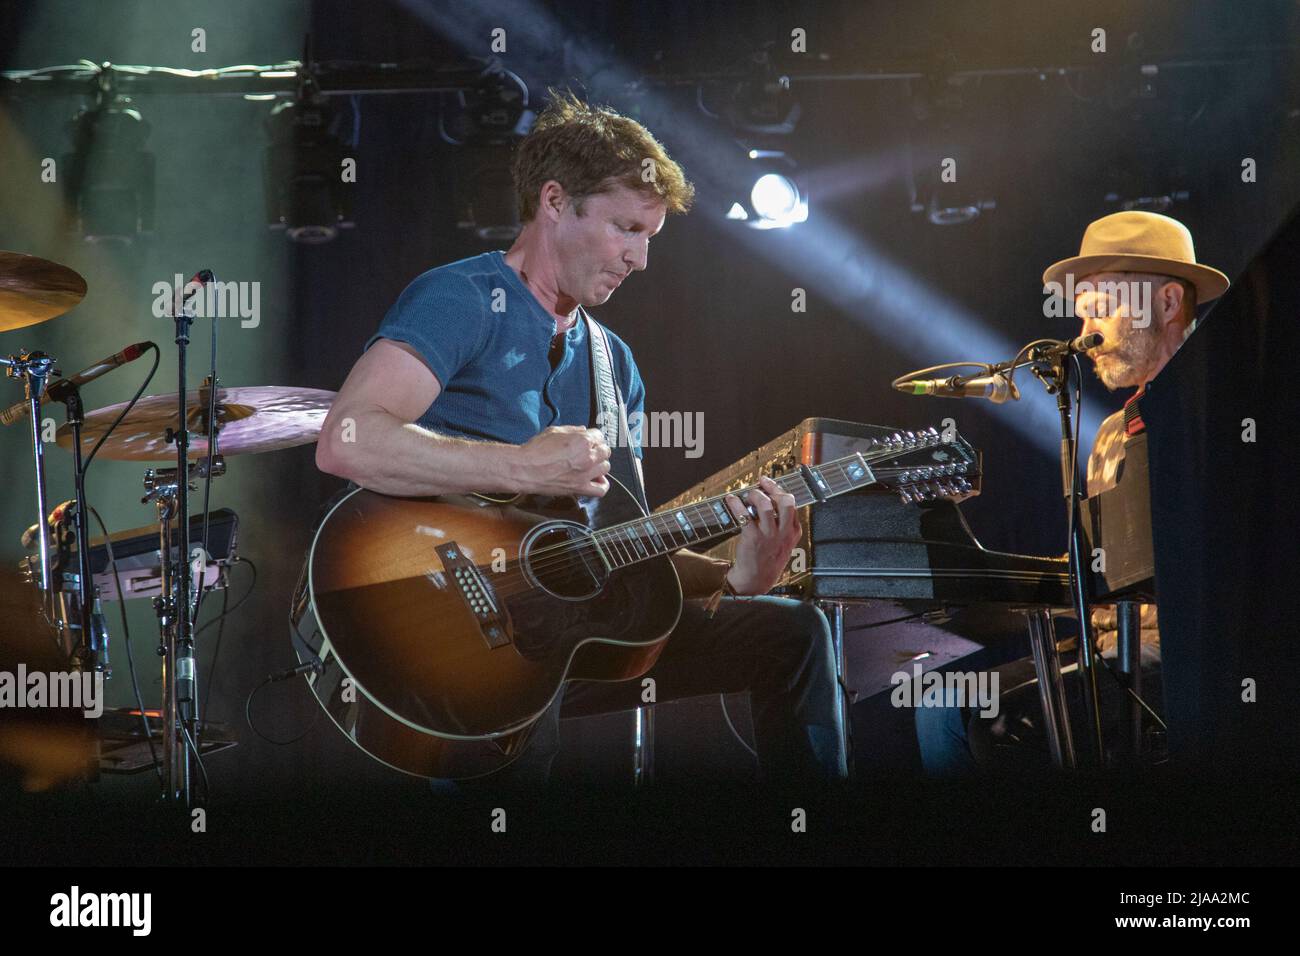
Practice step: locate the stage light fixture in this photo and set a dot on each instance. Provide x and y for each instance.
(774, 198)
(306, 194)
(1161, 203)
(110, 176)
(946, 203)
(495, 113)
(762, 103)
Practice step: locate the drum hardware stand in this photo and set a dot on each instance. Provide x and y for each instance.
(88, 649)
(91, 652)
(178, 712)
(68, 617)
(35, 368)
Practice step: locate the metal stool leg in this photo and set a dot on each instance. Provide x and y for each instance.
(1129, 648)
(643, 746)
(1051, 688)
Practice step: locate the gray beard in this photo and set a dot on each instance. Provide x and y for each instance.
(1127, 364)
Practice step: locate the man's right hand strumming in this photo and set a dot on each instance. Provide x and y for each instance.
(564, 460)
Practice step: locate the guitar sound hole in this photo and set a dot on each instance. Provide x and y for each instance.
(560, 557)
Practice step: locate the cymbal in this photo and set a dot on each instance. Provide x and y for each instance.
(34, 290)
(253, 419)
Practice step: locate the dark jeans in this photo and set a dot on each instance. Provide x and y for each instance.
(956, 740)
(778, 649)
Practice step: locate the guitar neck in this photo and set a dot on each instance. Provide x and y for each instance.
(709, 520)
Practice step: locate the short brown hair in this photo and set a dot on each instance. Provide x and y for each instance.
(587, 150)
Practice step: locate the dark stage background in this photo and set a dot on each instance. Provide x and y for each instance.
(710, 320)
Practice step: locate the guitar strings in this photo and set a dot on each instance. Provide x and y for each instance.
(592, 541)
(570, 544)
(545, 561)
(562, 556)
(565, 555)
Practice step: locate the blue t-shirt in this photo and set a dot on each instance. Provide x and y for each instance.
(487, 339)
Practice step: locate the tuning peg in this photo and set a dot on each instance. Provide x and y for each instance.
(903, 494)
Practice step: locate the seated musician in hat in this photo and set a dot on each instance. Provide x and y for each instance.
(1137, 282)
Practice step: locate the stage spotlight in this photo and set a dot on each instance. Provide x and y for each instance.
(110, 176)
(306, 194)
(775, 199)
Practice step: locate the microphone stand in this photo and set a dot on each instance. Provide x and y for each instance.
(1056, 379)
(34, 368)
(180, 704)
(1057, 382)
(88, 656)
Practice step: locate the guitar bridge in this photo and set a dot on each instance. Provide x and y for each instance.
(476, 594)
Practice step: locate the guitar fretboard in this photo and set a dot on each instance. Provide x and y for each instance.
(667, 531)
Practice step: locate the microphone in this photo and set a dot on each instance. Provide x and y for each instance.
(194, 287)
(58, 514)
(997, 388)
(1075, 346)
(59, 390)
(316, 666)
(102, 367)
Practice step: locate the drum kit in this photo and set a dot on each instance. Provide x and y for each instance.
(194, 430)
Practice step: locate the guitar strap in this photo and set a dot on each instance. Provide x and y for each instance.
(611, 412)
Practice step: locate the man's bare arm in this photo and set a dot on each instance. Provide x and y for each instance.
(369, 437)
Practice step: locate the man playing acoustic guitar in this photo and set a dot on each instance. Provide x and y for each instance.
(479, 380)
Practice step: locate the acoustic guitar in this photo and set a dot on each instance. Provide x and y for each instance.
(445, 626)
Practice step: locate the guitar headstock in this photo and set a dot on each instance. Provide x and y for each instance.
(926, 466)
